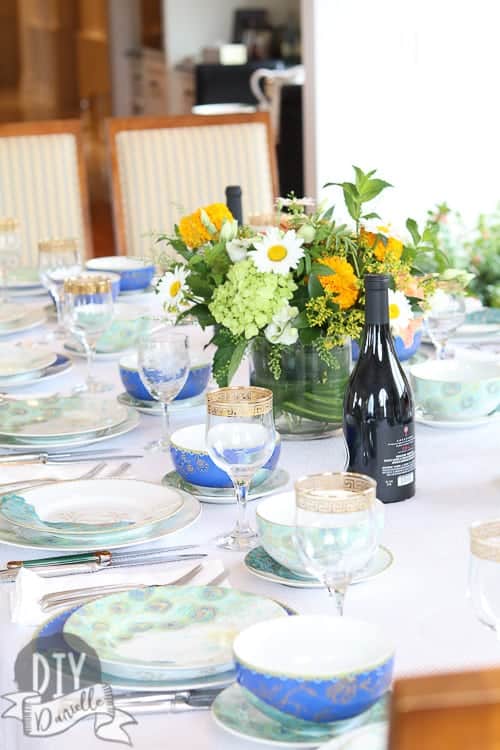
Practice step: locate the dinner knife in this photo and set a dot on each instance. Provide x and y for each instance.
(62, 458)
(103, 558)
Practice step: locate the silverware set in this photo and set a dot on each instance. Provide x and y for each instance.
(65, 458)
(189, 700)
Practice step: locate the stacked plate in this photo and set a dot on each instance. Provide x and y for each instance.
(94, 514)
(25, 282)
(61, 422)
(162, 637)
(16, 317)
(20, 366)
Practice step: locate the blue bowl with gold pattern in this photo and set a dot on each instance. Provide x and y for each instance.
(315, 667)
(135, 274)
(196, 382)
(192, 462)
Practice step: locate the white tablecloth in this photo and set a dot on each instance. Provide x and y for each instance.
(420, 601)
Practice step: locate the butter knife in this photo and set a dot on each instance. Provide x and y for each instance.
(63, 458)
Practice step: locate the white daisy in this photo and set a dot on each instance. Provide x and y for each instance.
(277, 252)
(400, 312)
(172, 287)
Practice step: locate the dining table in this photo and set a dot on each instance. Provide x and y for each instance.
(420, 601)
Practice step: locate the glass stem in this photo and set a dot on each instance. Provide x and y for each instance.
(165, 437)
(57, 300)
(90, 359)
(241, 489)
(442, 349)
(338, 592)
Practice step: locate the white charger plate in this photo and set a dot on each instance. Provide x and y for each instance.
(58, 417)
(93, 506)
(63, 444)
(16, 361)
(14, 537)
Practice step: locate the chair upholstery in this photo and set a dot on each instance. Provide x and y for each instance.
(42, 183)
(163, 168)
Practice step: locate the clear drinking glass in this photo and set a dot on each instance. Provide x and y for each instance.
(58, 260)
(445, 315)
(164, 367)
(87, 312)
(336, 529)
(241, 438)
(10, 246)
(484, 573)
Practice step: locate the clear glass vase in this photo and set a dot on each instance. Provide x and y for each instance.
(308, 395)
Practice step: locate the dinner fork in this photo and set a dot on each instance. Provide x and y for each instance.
(75, 597)
(24, 485)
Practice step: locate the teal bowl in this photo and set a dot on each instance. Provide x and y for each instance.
(276, 526)
(452, 389)
(316, 668)
(130, 323)
(194, 465)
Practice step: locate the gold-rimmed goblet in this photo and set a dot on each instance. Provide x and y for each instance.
(58, 260)
(10, 246)
(336, 530)
(88, 313)
(484, 572)
(241, 438)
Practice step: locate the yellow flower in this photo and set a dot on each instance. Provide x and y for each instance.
(343, 285)
(391, 246)
(193, 229)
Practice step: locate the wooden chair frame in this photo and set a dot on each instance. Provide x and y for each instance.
(60, 127)
(117, 125)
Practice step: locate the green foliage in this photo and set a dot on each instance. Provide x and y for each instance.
(363, 190)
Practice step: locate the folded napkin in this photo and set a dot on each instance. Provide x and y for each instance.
(30, 587)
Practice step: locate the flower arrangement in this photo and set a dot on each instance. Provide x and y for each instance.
(297, 283)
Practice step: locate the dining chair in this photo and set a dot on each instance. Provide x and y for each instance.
(165, 167)
(456, 710)
(43, 183)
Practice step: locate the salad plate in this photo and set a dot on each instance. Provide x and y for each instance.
(24, 277)
(58, 417)
(50, 636)
(61, 364)
(235, 712)
(17, 537)
(11, 443)
(32, 318)
(154, 409)
(18, 361)
(225, 496)
(91, 507)
(166, 632)
(262, 565)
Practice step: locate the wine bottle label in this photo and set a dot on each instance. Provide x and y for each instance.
(395, 458)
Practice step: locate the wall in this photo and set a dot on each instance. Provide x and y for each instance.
(190, 25)
(409, 88)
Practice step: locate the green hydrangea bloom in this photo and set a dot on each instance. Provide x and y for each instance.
(249, 299)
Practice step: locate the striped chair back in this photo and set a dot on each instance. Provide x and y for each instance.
(42, 183)
(163, 168)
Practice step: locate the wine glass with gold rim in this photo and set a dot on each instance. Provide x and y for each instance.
(336, 530)
(240, 438)
(484, 572)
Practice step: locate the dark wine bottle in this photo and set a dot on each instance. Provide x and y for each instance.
(378, 409)
(233, 202)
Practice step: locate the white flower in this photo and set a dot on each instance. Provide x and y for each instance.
(229, 230)
(400, 312)
(237, 249)
(280, 330)
(296, 201)
(278, 252)
(172, 287)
